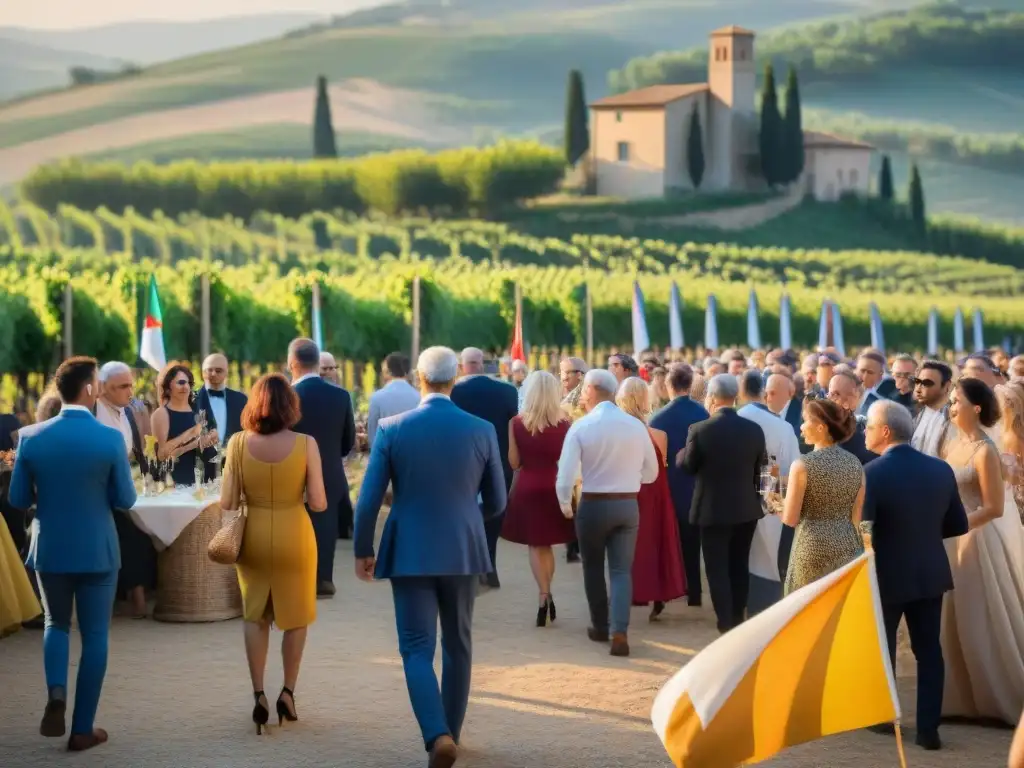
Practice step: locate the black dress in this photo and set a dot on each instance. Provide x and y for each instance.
(184, 470)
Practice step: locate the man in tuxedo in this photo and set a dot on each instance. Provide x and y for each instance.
(434, 546)
(74, 549)
(871, 372)
(911, 504)
(496, 402)
(328, 418)
(395, 397)
(726, 454)
(223, 406)
(675, 419)
(138, 555)
(844, 389)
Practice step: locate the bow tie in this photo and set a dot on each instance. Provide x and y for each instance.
(216, 393)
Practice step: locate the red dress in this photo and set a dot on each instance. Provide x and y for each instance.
(533, 515)
(658, 574)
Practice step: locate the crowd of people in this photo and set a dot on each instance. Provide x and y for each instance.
(654, 468)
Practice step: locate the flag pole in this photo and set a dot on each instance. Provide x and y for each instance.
(899, 744)
(415, 318)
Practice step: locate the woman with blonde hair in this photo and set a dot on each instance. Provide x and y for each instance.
(658, 564)
(699, 388)
(533, 516)
(1011, 401)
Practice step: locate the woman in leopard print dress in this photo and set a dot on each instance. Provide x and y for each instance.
(825, 497)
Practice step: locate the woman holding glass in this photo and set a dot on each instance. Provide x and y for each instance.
(177, 425)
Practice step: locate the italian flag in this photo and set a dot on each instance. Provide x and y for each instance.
(151, 350)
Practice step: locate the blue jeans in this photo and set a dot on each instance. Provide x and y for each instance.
(419, 601)
(93, 594)
(608, 524)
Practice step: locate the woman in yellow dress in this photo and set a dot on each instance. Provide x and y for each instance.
(278, 472)
(18, 603)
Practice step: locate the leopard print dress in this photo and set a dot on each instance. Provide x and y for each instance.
(826, 538)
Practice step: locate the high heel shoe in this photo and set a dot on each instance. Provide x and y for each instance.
(542, 612)
(283, 712)
(260, 714)
(552, 613)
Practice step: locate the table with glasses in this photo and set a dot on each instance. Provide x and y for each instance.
(190, 587)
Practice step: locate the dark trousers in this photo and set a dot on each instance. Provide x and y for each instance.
(689, 540)
(608, 525)
(492, 528)
(419, 602)
(325, 528)
(924, 619)
(727, 562)
(93, 594)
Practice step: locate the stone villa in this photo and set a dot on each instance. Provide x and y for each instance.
(638, 138)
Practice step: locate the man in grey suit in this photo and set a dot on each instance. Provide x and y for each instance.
(395, 397)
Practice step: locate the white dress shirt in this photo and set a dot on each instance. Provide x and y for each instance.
(110, 416)
(779, 438)
(304, 377)
(613, 451)
(395, 397)
(928, 433)
(785, 410)
(219, 407)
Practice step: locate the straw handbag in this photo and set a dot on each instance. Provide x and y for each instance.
(226, 545)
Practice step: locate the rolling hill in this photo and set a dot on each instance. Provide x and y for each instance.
(28, 66)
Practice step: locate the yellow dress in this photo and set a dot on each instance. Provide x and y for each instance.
(18, 602)
(277, 566)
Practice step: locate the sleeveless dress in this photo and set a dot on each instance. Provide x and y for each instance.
(277, 565)
(826, 538)
(1014, 467)
(533, 516)
(184, 468)
(983, 617)
(18, 602)
(658, 574)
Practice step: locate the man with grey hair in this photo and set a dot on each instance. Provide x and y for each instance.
(327, 417)
(434, 545)
(614, 454)
(223, 405)
(496, 402)
(329, 368)
(726, 454)
(911, 504)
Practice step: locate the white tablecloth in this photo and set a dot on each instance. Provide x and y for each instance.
(764, 550)
(164, 517)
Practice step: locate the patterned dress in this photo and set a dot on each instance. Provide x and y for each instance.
(826, 538)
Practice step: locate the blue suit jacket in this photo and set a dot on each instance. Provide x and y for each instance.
(77, 472)
(438, 459)
(914, 503)
(675, 419)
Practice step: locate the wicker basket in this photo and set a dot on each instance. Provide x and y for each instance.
(192, 588)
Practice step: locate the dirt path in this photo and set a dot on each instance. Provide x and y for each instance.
(731, 219)
(178, 695)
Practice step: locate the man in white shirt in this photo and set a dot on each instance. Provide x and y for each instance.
(116, 387)
(932, 427)
(395, 397)
(780, 440)
(614, 454)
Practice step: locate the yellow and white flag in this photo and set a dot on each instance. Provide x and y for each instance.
(813, 664)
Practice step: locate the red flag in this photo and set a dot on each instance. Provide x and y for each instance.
(517, 352)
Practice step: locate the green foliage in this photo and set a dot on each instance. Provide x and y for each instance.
(885, 185)
(916, 197)
(771, 136)
(938, 34)
(324, 142)
(459, 180)
(695, 150)
(577, 134)
(792, 131)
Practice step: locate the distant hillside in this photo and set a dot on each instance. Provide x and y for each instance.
(147, 42)
(28, 66)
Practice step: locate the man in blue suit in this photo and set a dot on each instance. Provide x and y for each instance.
(434, 547)
(77, 472)
(675, 419)
(911, 504)
(496, 402)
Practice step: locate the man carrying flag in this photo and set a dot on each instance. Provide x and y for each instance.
(151, 348)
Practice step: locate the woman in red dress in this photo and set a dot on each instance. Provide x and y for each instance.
(658, 564)
(533, 516)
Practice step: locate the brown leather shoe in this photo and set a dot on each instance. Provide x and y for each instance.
(444, 753)
(620, 645)
(79, 742)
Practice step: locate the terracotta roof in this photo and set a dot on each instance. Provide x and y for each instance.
(651, 96)
(819, 140)
(732, 29)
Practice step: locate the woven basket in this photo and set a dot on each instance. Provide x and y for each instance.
(192, 588)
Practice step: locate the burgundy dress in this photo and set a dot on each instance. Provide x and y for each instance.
(658, 574)
(533, 515)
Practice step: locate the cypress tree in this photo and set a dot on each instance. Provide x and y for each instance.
(577, 134)
(772, 163)
(885, 188)
(324, 144)
(695, 150)
(916, 197)
(793, 131)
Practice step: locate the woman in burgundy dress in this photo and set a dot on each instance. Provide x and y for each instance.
(658, 564)
(533, 516)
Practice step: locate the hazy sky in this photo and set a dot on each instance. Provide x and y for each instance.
(66, 14)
